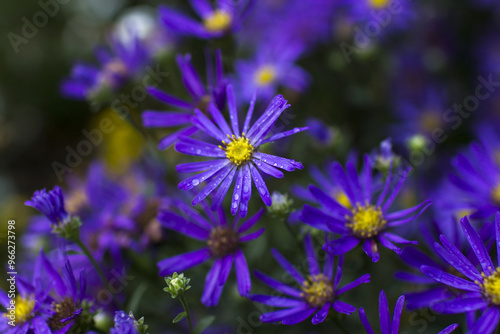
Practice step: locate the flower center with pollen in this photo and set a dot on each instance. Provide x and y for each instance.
(222, 241)
(495, 194)
(63, 310)
(342, 198)
(366, 221)
(317, 290)
(265, 75)
(238, 150)
(490, 288)
(379, 3)
(24, 309)
(220, 20)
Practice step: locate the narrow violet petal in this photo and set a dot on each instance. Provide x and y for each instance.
(449, 279)
(361, 280)
(238, 187)
(283, 135)
(214, 183)
(279, 286)
(242, 274)
(321, 315)
(342, 307)
(298, 317)
(252, 236)
(223, 189)
(251, 222)
(287, 266)
(341, 245)
(365, 322)
(183, 261)
(396, 318)
(233, 113)
(246, 191)
(383, 312)
(488, 322)
(261, 186)
(477, 246)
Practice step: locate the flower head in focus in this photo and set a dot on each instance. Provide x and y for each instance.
(50, 204)
(237, 154)
(365, 219)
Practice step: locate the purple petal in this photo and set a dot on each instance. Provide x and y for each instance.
(261, 186)
(169, 140)
(314, 268)
(242, 274)
(396, 318)
(277, 301)
(201, 121)
(195, 147)
(214, 183)
(287, 266)
(179, 224)
(168, 99)
(389, 245)
(371, 249)
(488, 322)
(361, 280)
(199, 166)
(328, 201)
(252, 236)
(282, 314)
(238, 187)
(364, 321)
(233, 113)
(459, 305)
(456, 259)
(223, 189)
(341, 245)
(283, 135)
(219, 119)
(246, 191)
(279, 286)
(269, 170)
(183, 261)
(193, 181)
(477, 246)
(251, 221)
(342, 307)
(298, 317)
(279, 162)
(227, 263)
(449, 329)
(383, 312)
(320, 220)
(164, 119)
(249, 113)
(321, 315)
(211, 281)
(449, 279)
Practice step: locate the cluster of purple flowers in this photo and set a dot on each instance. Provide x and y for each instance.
(234, 138)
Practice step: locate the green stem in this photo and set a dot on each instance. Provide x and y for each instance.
(103, 278)
(184, 303)
(292, 232)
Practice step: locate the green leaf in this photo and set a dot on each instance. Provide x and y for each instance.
(179, 317)
(204, 323)
(136, 298)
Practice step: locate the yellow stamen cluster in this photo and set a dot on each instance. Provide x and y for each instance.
(490, 288)
(366, 221)
(238, 150)
(265, 75)
(219, 21)
(342, 198)
(24, 309)
(459, 214)
(495, 194)
(318, 290)
(379, 3)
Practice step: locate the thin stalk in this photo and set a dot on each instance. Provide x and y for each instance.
(184, 303)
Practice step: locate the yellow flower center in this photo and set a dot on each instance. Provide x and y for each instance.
(265, 75)
(24, 309)
(238, 150)
(366, 221)
(220, 20)
(490, 288)
(459, 214)
(496, 194)
(379, 3)
(342, 198)
(317, 290)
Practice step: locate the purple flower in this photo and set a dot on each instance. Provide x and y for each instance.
(318, 291)
(216, 22)
(50, 204)
(237, 153)
(475, 183)
(475, 289)
(123, 62)
(386, 325)
(124, 324)
(362, 220)
(52, 304)
(223, 245)
(202, 97)
(272, 66)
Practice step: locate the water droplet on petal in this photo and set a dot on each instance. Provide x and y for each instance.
(195, 182)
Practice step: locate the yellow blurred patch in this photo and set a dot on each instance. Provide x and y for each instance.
(123, 146)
